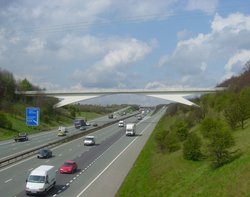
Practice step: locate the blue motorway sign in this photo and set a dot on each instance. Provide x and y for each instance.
(32, 116)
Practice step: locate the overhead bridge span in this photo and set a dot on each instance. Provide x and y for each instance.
(73, 96)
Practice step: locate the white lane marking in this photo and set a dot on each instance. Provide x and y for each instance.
(30, 169)
(7, 180)
(60, 155)
(47, 161)
(110, 163)
(29, 158)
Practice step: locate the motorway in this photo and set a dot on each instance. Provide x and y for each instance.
(11, 148)
(97, 165)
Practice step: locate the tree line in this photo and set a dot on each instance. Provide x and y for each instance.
(218, 116)
(9, 102)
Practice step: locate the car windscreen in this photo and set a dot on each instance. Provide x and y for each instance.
(68, 164)
(36, 179)
(89, 138)
(43, 151)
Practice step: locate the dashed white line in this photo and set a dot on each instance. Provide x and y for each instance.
(7, 180)
(110, 163)
(30, 169)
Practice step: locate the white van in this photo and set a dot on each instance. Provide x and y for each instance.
(41, 180)
(64, 129)
(130, 129)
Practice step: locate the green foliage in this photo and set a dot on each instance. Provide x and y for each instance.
(181, 129)
(244, 105)
(25, 85)
(210, 125)
(7, 86)
(160, 137)
(192, 147)
(172, 142)
(220, 142)
(237, 110)
(46, 119)
(231, 115)
(4, 122)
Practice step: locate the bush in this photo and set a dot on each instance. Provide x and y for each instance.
(4, 122)
(160, 139)
(219, 145)
(46, 118)
(171, 142)
(191, 147)
(210, 125)
(181, 130)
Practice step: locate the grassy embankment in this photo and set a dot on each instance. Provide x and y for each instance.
(157, 174)
(18, 121)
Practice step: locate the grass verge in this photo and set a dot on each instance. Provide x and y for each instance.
(156, 174)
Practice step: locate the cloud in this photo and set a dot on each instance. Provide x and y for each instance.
(237, 60)
(109, 70)
(234, 23)
(35, 45)
(155, 85)
(203, 56)
(203, 5)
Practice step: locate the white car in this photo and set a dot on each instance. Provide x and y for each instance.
(89, 140)
(121, 123)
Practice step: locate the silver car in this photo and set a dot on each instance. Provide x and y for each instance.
(89, 140)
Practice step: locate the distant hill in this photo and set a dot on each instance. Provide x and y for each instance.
(240, 81)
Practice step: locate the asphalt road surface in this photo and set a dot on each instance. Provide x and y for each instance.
(102, 167)
(11, 148)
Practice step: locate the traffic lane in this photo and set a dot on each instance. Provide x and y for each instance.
(17, 173)
(10, 149)
(102, 162)
(13, 147)
(109, 180)
(84, 161)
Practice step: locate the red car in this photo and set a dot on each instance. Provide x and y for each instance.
(68, 167)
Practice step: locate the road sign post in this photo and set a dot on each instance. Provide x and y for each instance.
(32, 116)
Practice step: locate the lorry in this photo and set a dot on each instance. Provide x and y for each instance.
(41, 180)
(79, 123)
(130, 129)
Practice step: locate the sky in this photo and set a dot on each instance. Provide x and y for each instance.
(117, 44)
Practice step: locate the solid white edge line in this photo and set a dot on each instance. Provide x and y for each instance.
(110, 164)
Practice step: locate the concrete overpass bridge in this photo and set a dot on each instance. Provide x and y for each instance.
(69, 97)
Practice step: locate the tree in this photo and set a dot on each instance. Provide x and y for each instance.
(4, 122)
(25, 85)
(231, 115)
(160, 139)
(192, 147)
(220, 142)
(181, 130)
(7, 85)
(243, 105)
(210, 125)
(172, 142)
